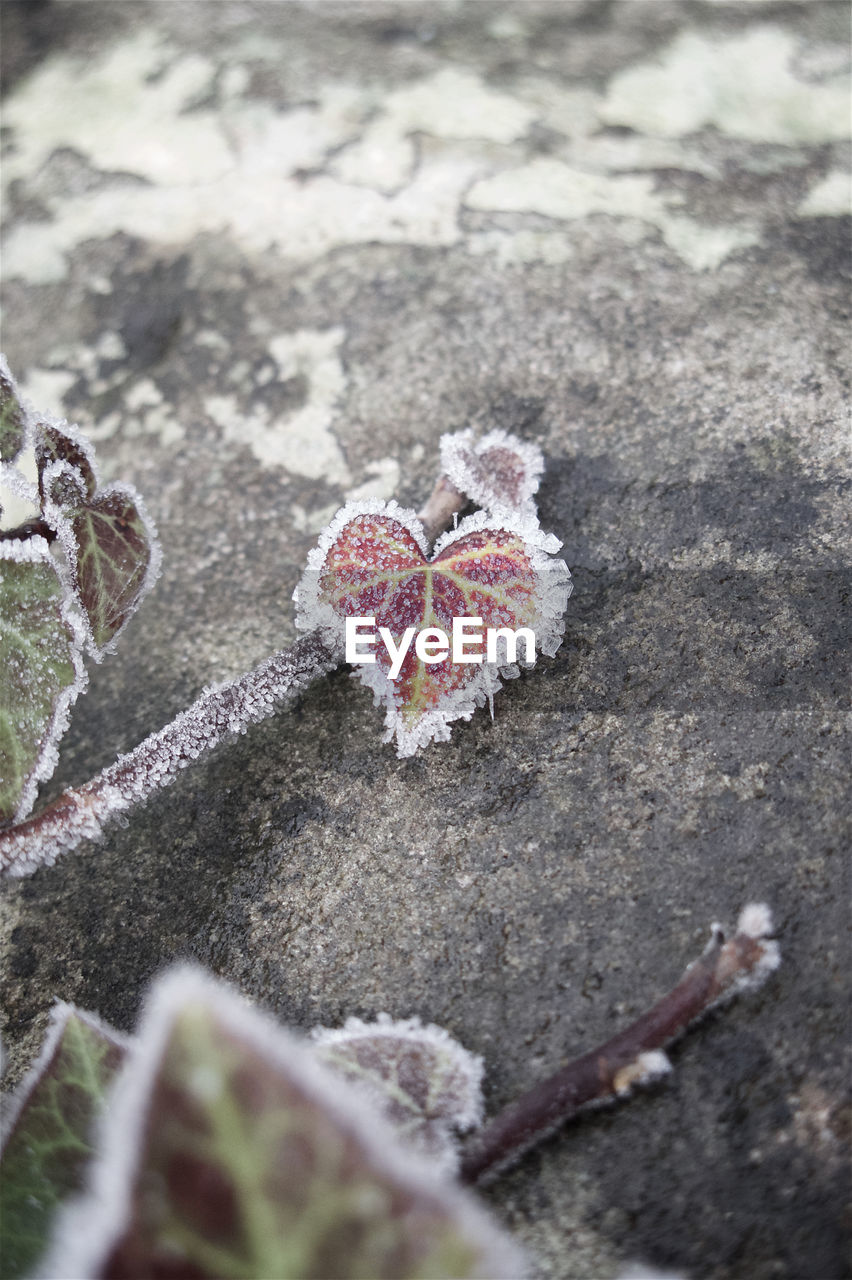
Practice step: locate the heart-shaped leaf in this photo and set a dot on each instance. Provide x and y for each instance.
(113, 555)
(498, 472)
(422, 1079)
(50, 1140)
(42, 670)
(230, 1151)
(372, 563)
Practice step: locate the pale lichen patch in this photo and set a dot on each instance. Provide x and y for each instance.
(611, 153)
(558, 190)
(573, 112)
(48, 387)
(521, 248)
(301, 441)
(383, 481)
(744, 85)
(122, 119)
(701, 246)
(830, 198)
(391, 168)
(383, 159)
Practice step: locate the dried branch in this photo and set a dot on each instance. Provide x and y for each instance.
(634, 1056)
(222, 710)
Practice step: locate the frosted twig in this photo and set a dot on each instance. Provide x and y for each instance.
(222, 710)
(634, 1056)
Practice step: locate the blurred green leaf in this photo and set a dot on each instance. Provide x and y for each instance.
(250, 1168)
(49, 1145)
(40, 662)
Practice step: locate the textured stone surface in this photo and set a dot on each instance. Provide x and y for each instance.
(266, 255)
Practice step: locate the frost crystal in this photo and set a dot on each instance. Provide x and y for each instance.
(644, 1070)
(372, 562)
(755, 922)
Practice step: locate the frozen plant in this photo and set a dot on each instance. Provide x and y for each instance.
(216, 1144)
(375, 559)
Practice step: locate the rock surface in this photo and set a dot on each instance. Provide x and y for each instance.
(265, 255)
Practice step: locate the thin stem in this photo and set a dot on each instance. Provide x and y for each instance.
(30, 528)
(222, 710)
(443, 504)
(633, 1056)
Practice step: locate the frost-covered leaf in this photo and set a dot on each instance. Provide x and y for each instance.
(57, 442)
(498, 472)
(230, 1152)
(424, 1082)
(42, 670)
(372, 562)
(13, 418)
(113, 553)
(49, 1140)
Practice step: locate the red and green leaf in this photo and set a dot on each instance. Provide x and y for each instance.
(55, 443)
(111, 549)
(50, 1141)
(372, 562)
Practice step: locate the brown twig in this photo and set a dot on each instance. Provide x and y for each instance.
(223, 710)
(634, 1056)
